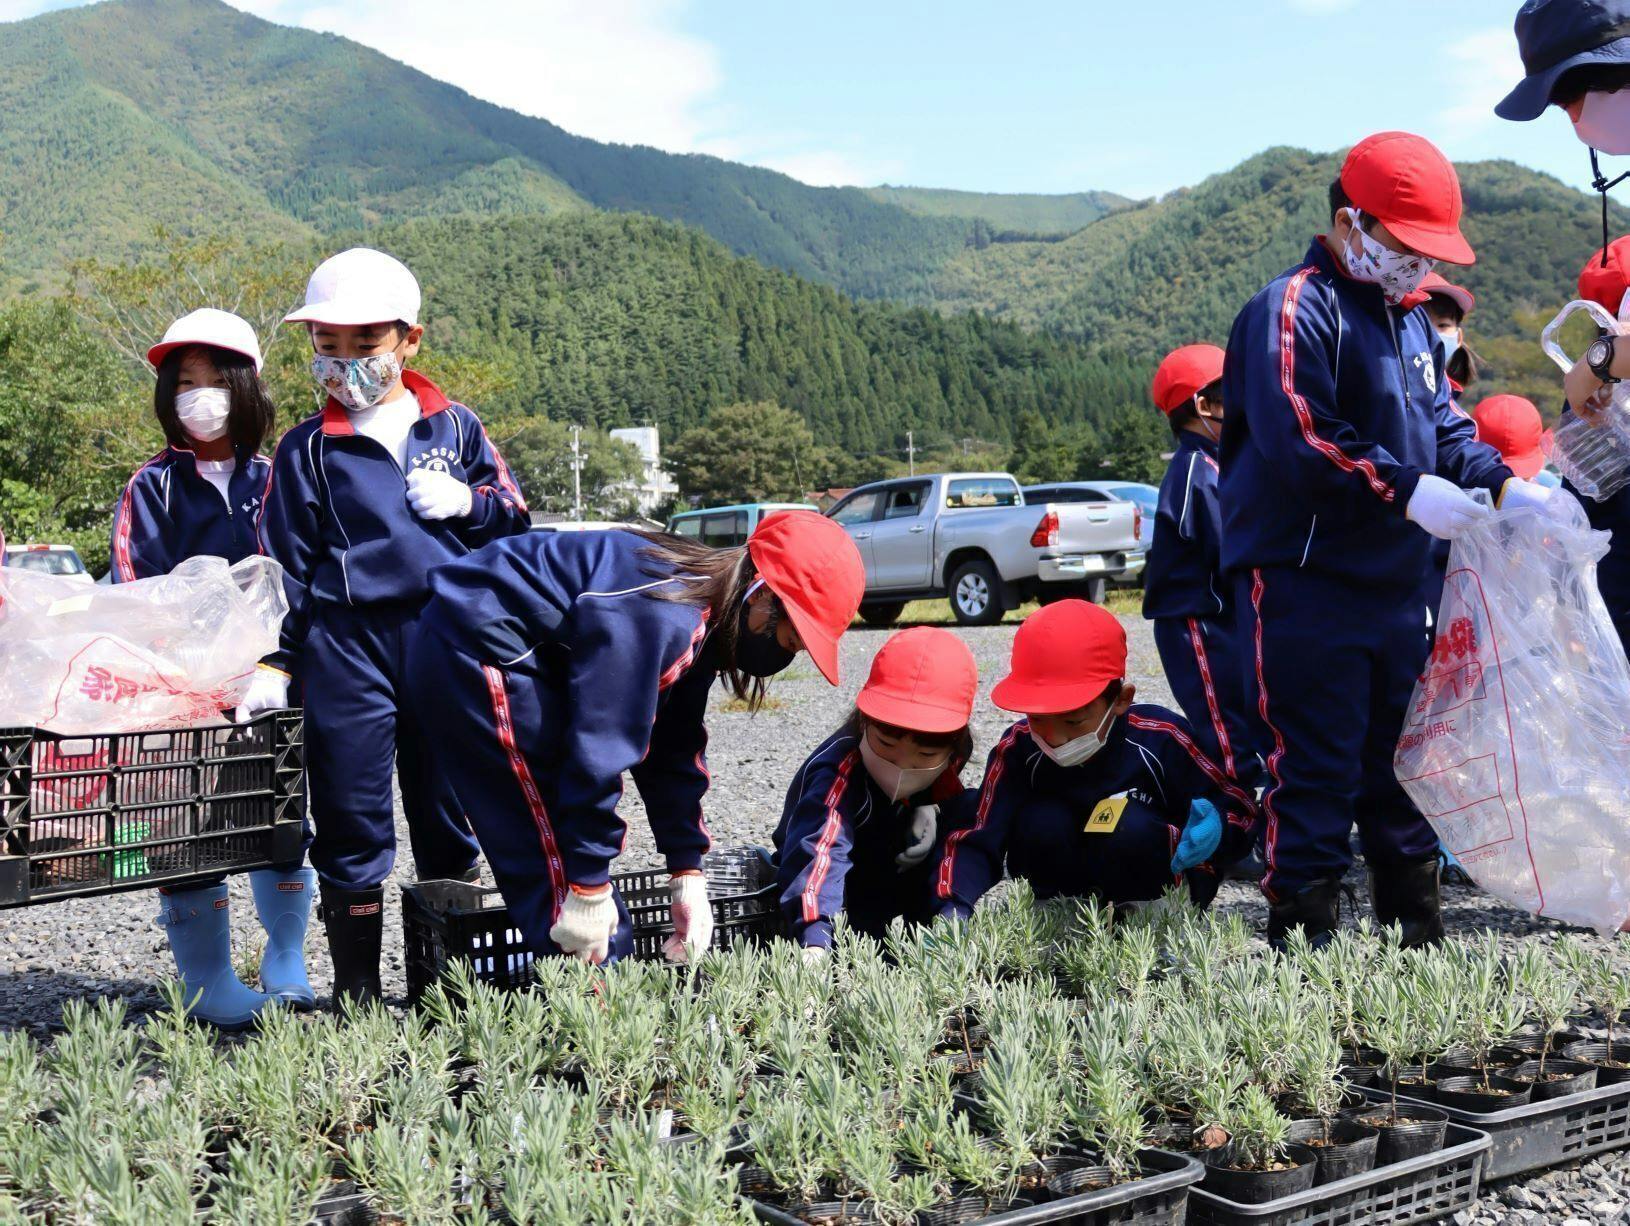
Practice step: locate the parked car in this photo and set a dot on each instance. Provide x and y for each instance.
(62, 560)
(584, 525)
(1145, 497)
(724, 527)
(971, 538)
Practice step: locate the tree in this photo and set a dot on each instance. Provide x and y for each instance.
(749, 453)
(1045, 452)
(539, 454)
(1131, 445)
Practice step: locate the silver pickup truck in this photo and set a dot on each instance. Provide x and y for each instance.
(971, 538)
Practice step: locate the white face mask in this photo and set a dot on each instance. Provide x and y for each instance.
(1397, 273)
(1451, 342)
(1073, 753)
(203, 412)
(1604, 121)
(899, 782)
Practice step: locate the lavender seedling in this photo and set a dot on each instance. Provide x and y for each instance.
(1259, 1133)
(1552, 993)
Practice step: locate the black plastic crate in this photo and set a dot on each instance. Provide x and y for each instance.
(443, 920)
(1419, 1189)
(1158, 1200)
(1550, 1132)
(99, 814)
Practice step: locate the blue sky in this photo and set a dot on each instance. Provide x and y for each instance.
(1019, 96)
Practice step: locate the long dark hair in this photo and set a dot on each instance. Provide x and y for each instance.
(252, 415)
(711, 579)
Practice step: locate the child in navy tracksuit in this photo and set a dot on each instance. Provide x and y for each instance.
(1340, 455)
(862, 814)
(1184, 592)
(199, 496)
(1089, 794)
(571, 659)
(390, 479)
(1447, 305)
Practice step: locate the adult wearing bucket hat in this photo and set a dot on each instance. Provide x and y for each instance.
(1090, 794)
(1341, 459)
(861, 815)
(571, 659)
(1184, 592)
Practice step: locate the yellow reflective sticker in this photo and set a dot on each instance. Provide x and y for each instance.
(1106, 815)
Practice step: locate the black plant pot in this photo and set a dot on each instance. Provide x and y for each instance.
(1080, 1179)
(1562, 1077)
(1359, 1074)
(1415, 1129)
(1531, 1044)
(967, 1209)
(1493, 1093)
(1343, 1148)
(1257, 1187)
(1036, 1178)
(821, 1213)
(1590, 1051)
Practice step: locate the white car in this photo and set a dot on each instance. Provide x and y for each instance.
(60, 560)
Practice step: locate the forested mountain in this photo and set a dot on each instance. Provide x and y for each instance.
(1178, 269)
(1006, 212)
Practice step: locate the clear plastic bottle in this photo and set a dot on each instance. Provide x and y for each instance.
(1593, 456)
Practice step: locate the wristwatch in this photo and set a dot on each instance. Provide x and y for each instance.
(1599, 357)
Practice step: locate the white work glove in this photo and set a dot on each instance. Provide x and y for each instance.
(268, 691)
(693, 917)
(1443, 508)
(925, 826)
(434, 494)
(815, 955)
(586, 924)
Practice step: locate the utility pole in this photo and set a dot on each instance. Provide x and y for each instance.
(911, 455)
(577, 475)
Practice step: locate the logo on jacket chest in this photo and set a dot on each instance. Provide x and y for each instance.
(252, 505)
(1423, 362)
(436, 459)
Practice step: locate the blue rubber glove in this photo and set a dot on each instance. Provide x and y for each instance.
(1201, 834)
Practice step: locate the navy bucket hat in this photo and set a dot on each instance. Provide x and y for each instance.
(1556, 35)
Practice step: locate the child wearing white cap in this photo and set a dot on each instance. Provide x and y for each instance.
(199, 496)
(390, 479)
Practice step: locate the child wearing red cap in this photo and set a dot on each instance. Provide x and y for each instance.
(1341, 457)
(1184, 592)
(1090, 794)
(862, 814)
(570, 659)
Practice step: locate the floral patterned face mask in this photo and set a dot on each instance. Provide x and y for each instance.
(357, 383)
(1398, 273)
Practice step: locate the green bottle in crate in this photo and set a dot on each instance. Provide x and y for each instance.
(128, 864)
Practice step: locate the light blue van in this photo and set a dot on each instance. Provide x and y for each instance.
(725, 527)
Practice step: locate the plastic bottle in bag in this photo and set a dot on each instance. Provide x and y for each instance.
(1593, 456)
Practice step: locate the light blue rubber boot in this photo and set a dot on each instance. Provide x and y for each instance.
(197, 925)
(283, 901)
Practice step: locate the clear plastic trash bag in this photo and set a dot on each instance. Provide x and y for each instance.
(1593, 456)
(169, 652)
(1517, 742)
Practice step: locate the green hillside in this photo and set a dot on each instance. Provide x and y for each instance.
(1017, 213)
(187, 112)
(1178, 269)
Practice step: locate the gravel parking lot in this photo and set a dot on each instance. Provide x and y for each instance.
(93, 947)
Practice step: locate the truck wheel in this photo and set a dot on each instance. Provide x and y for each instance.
(976, 594)
(882, 614)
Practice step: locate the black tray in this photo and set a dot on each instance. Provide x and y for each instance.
(1419, 1189)
(1547, 1133)
(1159, 1200)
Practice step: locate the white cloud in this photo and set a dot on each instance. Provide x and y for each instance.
(826, 168)
(1482, 68)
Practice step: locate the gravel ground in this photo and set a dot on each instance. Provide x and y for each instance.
(98, 946)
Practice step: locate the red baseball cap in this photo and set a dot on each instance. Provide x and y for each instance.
(810, 563)
(924, 680)
(1605, 283)
(1064, 656)
(1405, 181)
(1512, 426)
(1184, 371)
(1462, 297)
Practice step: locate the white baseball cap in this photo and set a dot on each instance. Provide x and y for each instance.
(360, 286)
(208, 326)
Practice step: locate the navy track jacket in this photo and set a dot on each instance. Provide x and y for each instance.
(1150, 752)
(336, 513)
(1182, 578)
(1337, 404)
(583, 613)
(169, 513)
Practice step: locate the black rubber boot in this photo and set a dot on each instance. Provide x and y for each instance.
(355, 921)
(1406, 893)
(1315, 909)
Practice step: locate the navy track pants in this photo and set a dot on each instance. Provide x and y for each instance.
(1206, 672)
